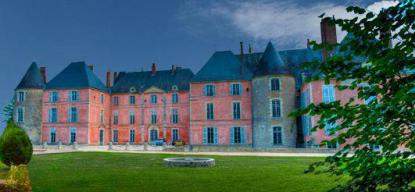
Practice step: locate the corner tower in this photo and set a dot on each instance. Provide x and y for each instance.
(28, 102)
(273, 99)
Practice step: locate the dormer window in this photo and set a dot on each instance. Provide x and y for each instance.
(174, 88)
(132, 90)
(275, 84)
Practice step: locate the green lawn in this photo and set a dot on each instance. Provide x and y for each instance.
(146, 172)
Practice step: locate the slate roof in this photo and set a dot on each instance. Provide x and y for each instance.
(76, 75)
(32, 79)
(271, 63)
(163, 79)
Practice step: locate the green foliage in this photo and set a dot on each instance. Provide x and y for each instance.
(385, 121)
(15, 145)
(8, 111)
(18, 179)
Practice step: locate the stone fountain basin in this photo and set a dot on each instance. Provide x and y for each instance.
(189, 162)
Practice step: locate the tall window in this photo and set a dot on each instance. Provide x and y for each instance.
(275, 84)
(102, 99)
(115, 135)
(153, 99)
(236, 89)
(210, 135)
(115, 100)
(209, 90)
(153, 117)
(277, 135)
(53, 96)
(275, 108)
(209, 111)
(73, 96)
(101, 117)
(153, 134)
(101, 136)
(115, 119)
(236, 106)
(174, 98)
(175, 133)
(73, 115)
(175, 116)
(132, 100)
(52, 135)
(73, 134)
(237, 135)
(328, 93)
(132, 135)
(20, 115)
(53, 115)
(306, 120)
(132, 117)
(21, 96)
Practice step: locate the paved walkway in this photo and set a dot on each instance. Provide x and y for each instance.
(261, 154)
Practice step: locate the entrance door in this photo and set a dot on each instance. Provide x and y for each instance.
(101, 136)
(153, 134)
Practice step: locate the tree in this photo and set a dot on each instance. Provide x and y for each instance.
(15, 145)
(8, 111)
(380, 73)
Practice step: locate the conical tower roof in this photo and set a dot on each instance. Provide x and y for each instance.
(32, 79)
(271, 63)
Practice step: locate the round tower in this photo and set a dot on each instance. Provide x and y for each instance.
(273, 99)
(28, 102)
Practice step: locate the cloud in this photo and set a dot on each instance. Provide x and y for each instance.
(286, 23)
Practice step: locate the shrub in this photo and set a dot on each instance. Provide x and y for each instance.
(18, 179)
(15, 146)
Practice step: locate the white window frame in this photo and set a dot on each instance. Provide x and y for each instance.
(175, 112)
(50, 134)
(279, 84)
(102, 98)
(281, 108)
(153, 99)
(233, 110)
(115, 100)
(115, 118)
(175, 98)
(132, 118)
(21, 96)
(207, 112)
(132, 130)
(330, 98)
(282, 135)
(50, 115)
(70, 134)
(74, 96)
(153, 114)
(172, 134)
(232, 89)
(18, 120)
(205, 90)
(53, 96)
(113, 135)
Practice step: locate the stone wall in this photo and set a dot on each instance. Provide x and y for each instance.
(32, 106)
(263, 122)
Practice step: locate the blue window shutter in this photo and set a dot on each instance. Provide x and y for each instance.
(242, 135)
(230, 89)
(204, 90)
(69, 114)
(240, 89)
(214, 90)
(69, 96)
(232, 137)
(215, 135)
(204, 135)
(50, 115)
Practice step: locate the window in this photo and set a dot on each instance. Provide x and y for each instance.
(209, 111)
(236, 89)
(73, 115)
(115, 136)
(132, 118)
(236, 110)
(237, 135)
(175, 135)
(132, 135)
(153, 99)
(153, 134)
(132, 100)
(53, 96)
(153, 117)
(101, 136)
(328, 93)
(52, 135)
(331, 145)
(115, 100)
(20, 114)
(277, 135)
(174, 98)
(275, 84)
(209, 90)
(73, 95)
(175, 116)
(53, 115)
(21, 96)
(102, 99)
(210, 135)
(275, 108)
(329, 128)
(115, 119)
(72, 135)
(101, 117)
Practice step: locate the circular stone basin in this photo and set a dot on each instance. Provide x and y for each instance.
(189, 162)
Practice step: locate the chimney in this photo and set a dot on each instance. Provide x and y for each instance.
(91, 67)
(328, 35)
(115, 78)
(242, 57)
(108, 79)
(153, 69)
(43, 73)
(173, 69)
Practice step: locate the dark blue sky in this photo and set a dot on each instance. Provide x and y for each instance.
(127, 35)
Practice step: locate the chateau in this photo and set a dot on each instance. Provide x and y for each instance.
(239, 99)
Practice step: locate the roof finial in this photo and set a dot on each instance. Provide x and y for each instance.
(34, 60)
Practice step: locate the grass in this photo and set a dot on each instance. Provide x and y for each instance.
(100, 171)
